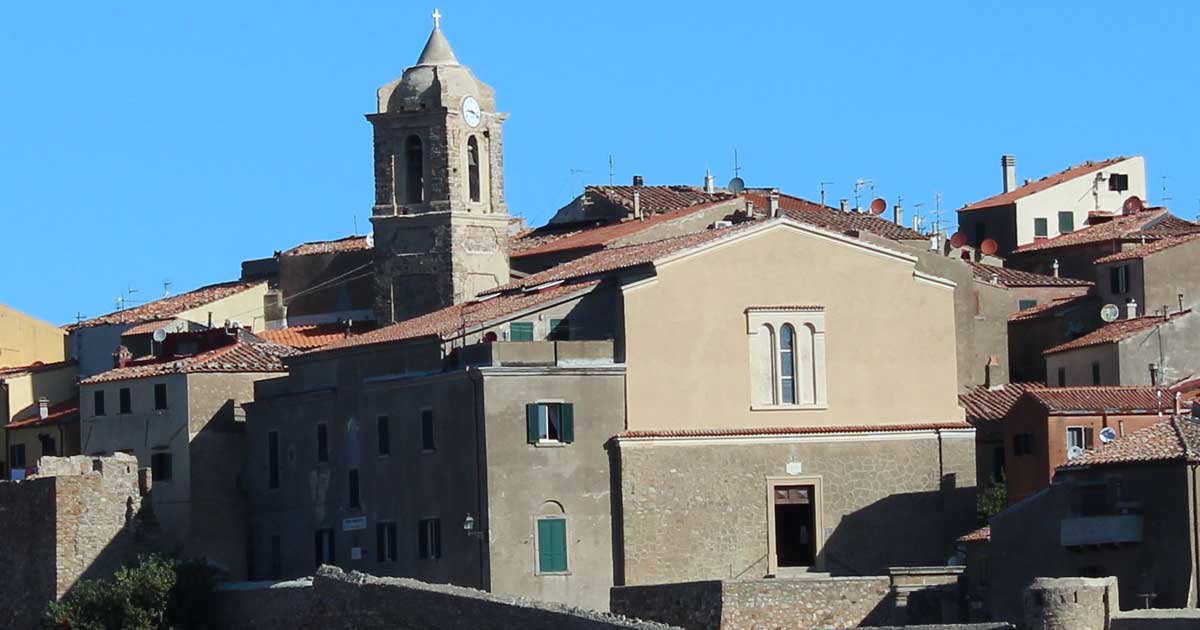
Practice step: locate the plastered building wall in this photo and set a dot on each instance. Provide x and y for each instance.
(25, 339)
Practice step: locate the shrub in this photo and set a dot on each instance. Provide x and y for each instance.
(992, 500)
(157, 593)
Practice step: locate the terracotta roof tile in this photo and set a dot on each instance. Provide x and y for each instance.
(146, 328)
(983, 534)
(1047, 309)
(1042, 184)
(1115, 331)
(838, 221)
(169, 307)
(657, 198)
(22, 370)
(991, 405)
(1148, 224)
(1173, 439)
(65, 411)
(346, 244)
(1141, 251)
(246, 354)
(1016, 278)
(1133, 399)
(784, 431)
(310, 337)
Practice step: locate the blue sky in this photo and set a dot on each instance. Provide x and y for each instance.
(152, 141)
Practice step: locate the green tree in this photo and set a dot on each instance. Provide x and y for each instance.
(155, 594)
(992, 500)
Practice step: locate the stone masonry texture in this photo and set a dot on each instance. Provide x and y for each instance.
(350, 601)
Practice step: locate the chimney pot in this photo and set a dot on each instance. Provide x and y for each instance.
(1009, 165)
(844, 205)
(637, 204)
(898, 214)
(773, 200)
(710, 183)
(1055, 267)
(637, 180)
(43, 408)
(1131, 308)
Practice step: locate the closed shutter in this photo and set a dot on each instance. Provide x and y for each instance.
(552, 545)
(437, 538)
(532, 431)
(380, 551)
(423, 539)
(520, 331)
(1088, 438)
(566, 432)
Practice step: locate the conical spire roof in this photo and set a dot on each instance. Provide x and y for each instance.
(437, 51)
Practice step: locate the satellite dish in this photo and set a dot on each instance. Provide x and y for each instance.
(878, 205)
(737, 185)
(958, 240)
(1108, 434)
(1110, 313)
(1074, 451)
(1133, 205)
(989, 247)
(160, 335)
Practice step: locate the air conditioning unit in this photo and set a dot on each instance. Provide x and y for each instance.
(723, 224)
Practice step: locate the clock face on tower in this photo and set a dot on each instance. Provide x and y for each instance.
(471, 113)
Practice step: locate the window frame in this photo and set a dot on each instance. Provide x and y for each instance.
(429, 539)
(13, 449)
(564, 427)
(383, 436)
(1026, 303)
(160, 397)
(1061, 373)
(512, 331)
(124, 401)
(273, 460)
(386, 542)
(809, 357)
(1096, 373)
(157, 468)
(1066, 217)
(566, 547)
(474, 168)
(1042, 225)
(98, 406)
(428, 436)
(322, 443)
(1118, 279)
(560, 329)
(353, 489)
(324, 554)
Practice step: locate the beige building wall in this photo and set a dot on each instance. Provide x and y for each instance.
(245, 307)
(1076, 196)
(18, 398)
(889, 334)
(25, 339)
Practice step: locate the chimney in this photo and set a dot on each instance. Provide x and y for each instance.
(1153, 374)
(637, 180)
(1009, 164)
(121, 357)
(637, 203)
(710, 182)
(1130, 308)
(773, 200)
(43, 408)
(1055, 267)
(844, 205)
(991, 374)
(1178, 404)
(898, 214)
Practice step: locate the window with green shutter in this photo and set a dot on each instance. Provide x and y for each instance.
(552, 545)
(1066, 222)
(520, 331)
(550, 422)
(1041, 228)
(560, 329)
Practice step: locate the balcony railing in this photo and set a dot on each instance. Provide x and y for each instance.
(1116, 529)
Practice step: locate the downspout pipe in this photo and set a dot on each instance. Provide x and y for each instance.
(1195, 535)
(480, 465)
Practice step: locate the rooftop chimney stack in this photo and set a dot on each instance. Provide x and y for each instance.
(844, 204)
(710, 182)
(1055, 267)
(637, 201)
(43, 408)
(991, 374)
(1131, 308)
(1009, 163)
(637, 180)
(898, 214)
(773, 200)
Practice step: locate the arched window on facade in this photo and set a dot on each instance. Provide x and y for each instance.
(414, 170)
(552, 538)
(473, 167)
(787, 365)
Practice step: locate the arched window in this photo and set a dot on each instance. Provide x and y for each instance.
(787, 365)
(414, 170)
(473, 167)
(552, 538)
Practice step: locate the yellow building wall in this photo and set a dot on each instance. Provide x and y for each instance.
(25, 339)
(890, 341)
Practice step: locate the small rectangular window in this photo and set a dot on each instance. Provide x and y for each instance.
(1118, 182)
(160, 467)
(1074, 438)
(1023, 444)
(273, 460)
(552, 545)
(322, 443)
(427, 441)
(324, 547)
(16, 456)
(1024, 304)
(276, 557)
(126, 400)
(980, 233)
(520, 331)
(385, 436)
(1095, 373)
(560, 329)
(429, 538)
(1066, 222)
(385, 542)
(1062, 377)
(98, 402)
(160, 395)
(1118, 279)
(1041, 228)
(355, 497)
(550, 422)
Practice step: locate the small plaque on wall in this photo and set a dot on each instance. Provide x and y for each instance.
(794, 468)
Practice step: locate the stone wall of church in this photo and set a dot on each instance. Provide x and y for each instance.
(697, 509)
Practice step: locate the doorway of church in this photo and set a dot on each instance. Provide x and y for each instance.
(795, 526)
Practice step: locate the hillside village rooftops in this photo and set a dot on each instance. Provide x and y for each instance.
(1150, 224)
(1044, 183)
(1175, 439)
(1116, 331)
(991, 405)
(1149, 249)
(168, 307)
(1092, 399)
(59, 413)
(245, 353)
(1016, 278)
(346, 244)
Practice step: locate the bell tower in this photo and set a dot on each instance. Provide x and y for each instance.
(440, 220)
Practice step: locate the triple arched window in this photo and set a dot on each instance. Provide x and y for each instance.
(787, 357)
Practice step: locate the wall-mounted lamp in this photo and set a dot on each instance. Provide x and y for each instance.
(470, 526)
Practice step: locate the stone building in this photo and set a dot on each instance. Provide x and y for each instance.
(179, 412)
(1034, 330)
(554, 436)
(1149, 350)
(47, 431)
(41, 429)
(1157, 275)
(25, 340)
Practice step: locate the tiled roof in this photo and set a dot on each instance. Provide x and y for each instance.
(246, 354)
(167, 308)
(983, 534)
(309, 337)
(839, 221)
(1115, 331)
(65, 411)
(1017, 278)
(1173, 439)
(785, 431)
(1042, 184)
(146, 328)
(1134, 399)
(990, 405)
(1149, 224)
(1141, 251)
(465, 316)
(346, 244)
(22, 370)
(1046, 309)
(657, 198)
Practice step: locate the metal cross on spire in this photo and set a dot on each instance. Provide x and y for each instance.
(437, 19)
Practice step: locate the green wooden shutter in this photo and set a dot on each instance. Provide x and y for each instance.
(531, 423)
(520, 331)
(552, 545)
(566, 416)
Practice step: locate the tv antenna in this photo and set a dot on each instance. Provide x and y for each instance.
(1165, 197)
(167, 286)
(127, 298)
(859, 185)
(823, 185)
(612, 169)
(737, 166)
(917, 219)
(79, 317)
